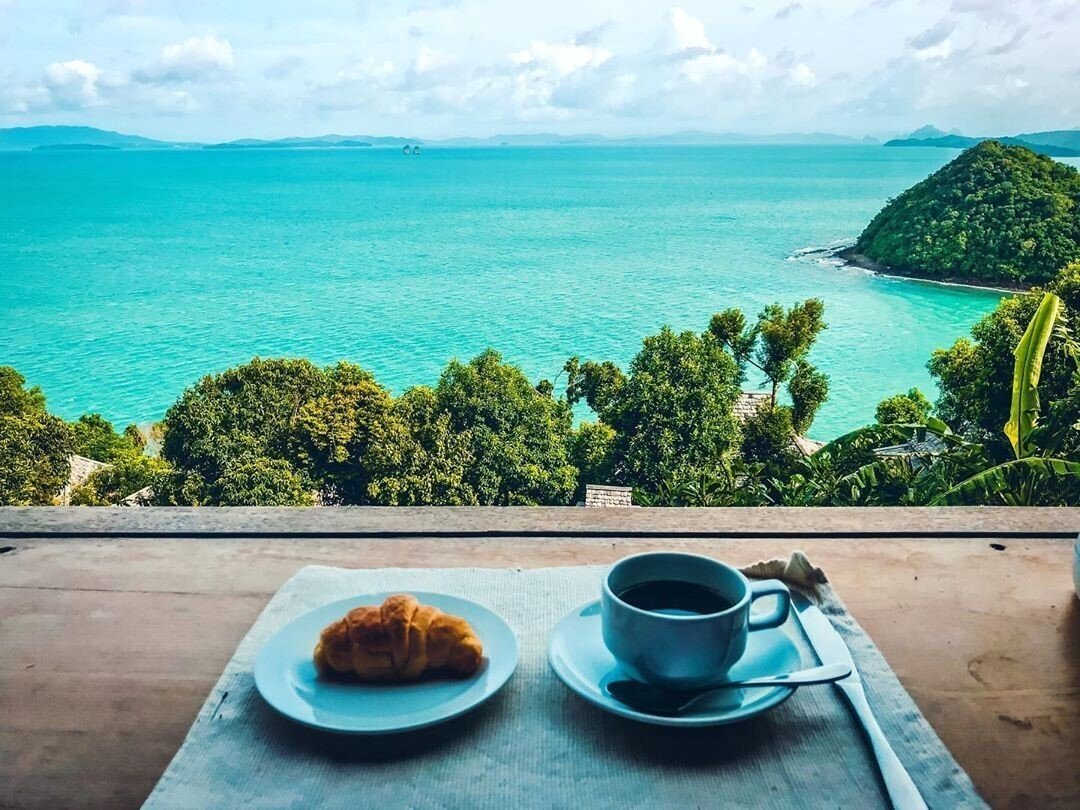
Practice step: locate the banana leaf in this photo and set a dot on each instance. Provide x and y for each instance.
(1024, 412)
(935, 425)
(1003, 480)
(875, 474)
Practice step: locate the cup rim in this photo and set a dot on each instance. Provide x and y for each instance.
(666, 616)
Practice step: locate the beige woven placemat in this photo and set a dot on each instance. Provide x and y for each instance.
(538, 745)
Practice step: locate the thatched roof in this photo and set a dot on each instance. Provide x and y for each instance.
(606, 495)
(81, 469)
(806, 446)
(749, 403)
(140, 497)
(930, 444)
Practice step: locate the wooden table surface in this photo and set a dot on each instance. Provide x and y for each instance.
(108, 646)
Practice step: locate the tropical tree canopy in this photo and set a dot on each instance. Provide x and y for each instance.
(483, 435)
(975, 375)
(903, 409)
(96, 438)
(289, 433)
(672, 413)
(516, 435)
(34, 445)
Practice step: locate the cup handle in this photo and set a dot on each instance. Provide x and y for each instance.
(770, 587)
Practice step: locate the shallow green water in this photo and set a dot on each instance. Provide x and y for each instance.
(125, 276)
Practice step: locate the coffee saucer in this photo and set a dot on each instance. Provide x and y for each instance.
(578, 656)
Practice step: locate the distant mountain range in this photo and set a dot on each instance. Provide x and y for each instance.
(293, 143)
(930, 131)
(75, 147)
(70, 138)
(684, 138)
(33, 137)
(1055, 143)
(63, 137)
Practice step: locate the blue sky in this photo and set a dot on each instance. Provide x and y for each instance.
(219, 70)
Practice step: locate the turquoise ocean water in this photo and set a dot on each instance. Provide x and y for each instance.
(125, 276)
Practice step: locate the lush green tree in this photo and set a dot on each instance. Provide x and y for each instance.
(596, 383)
(261, 481)
(316, 422)
(974, 376)
(903, 409)
(731, 329)
(245, 412)
(96, 438)
(517, 436)
(419, 459)
(333, 433)
(34, 445)
(672, 413)
(591, 448)
(483, 435)
(809, 388)
(767, 439)
(135, 437)
(777, 346)
(996, 213)
(179, 488)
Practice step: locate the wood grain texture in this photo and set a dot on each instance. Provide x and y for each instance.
(498, 521)
(111, 645)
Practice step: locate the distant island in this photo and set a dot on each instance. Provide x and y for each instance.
(75, 147)
(291, 143)
(28, 138)
(1054, 143)
(24, 138)
(998, 214)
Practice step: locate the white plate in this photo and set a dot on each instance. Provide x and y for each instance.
(286, 677)
(577, 654)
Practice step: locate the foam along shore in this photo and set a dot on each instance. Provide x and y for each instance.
(845, 256)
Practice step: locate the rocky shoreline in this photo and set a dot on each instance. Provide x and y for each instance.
(849, 256)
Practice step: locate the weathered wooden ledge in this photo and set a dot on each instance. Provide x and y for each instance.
(114, 624)
(794, 522)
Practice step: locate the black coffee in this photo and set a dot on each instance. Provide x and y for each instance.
(675, 598)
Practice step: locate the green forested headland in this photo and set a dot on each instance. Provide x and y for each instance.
(997, 214)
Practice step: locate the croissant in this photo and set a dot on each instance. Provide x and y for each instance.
(398, 641)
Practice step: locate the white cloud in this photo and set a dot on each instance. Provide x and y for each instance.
(18, 99)
(72, 84)
(446, 67)
(685, 34)
(802, 75)
(716, 67)
(365, 70)
(193, 59)
(560, 59)
(428, 59)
